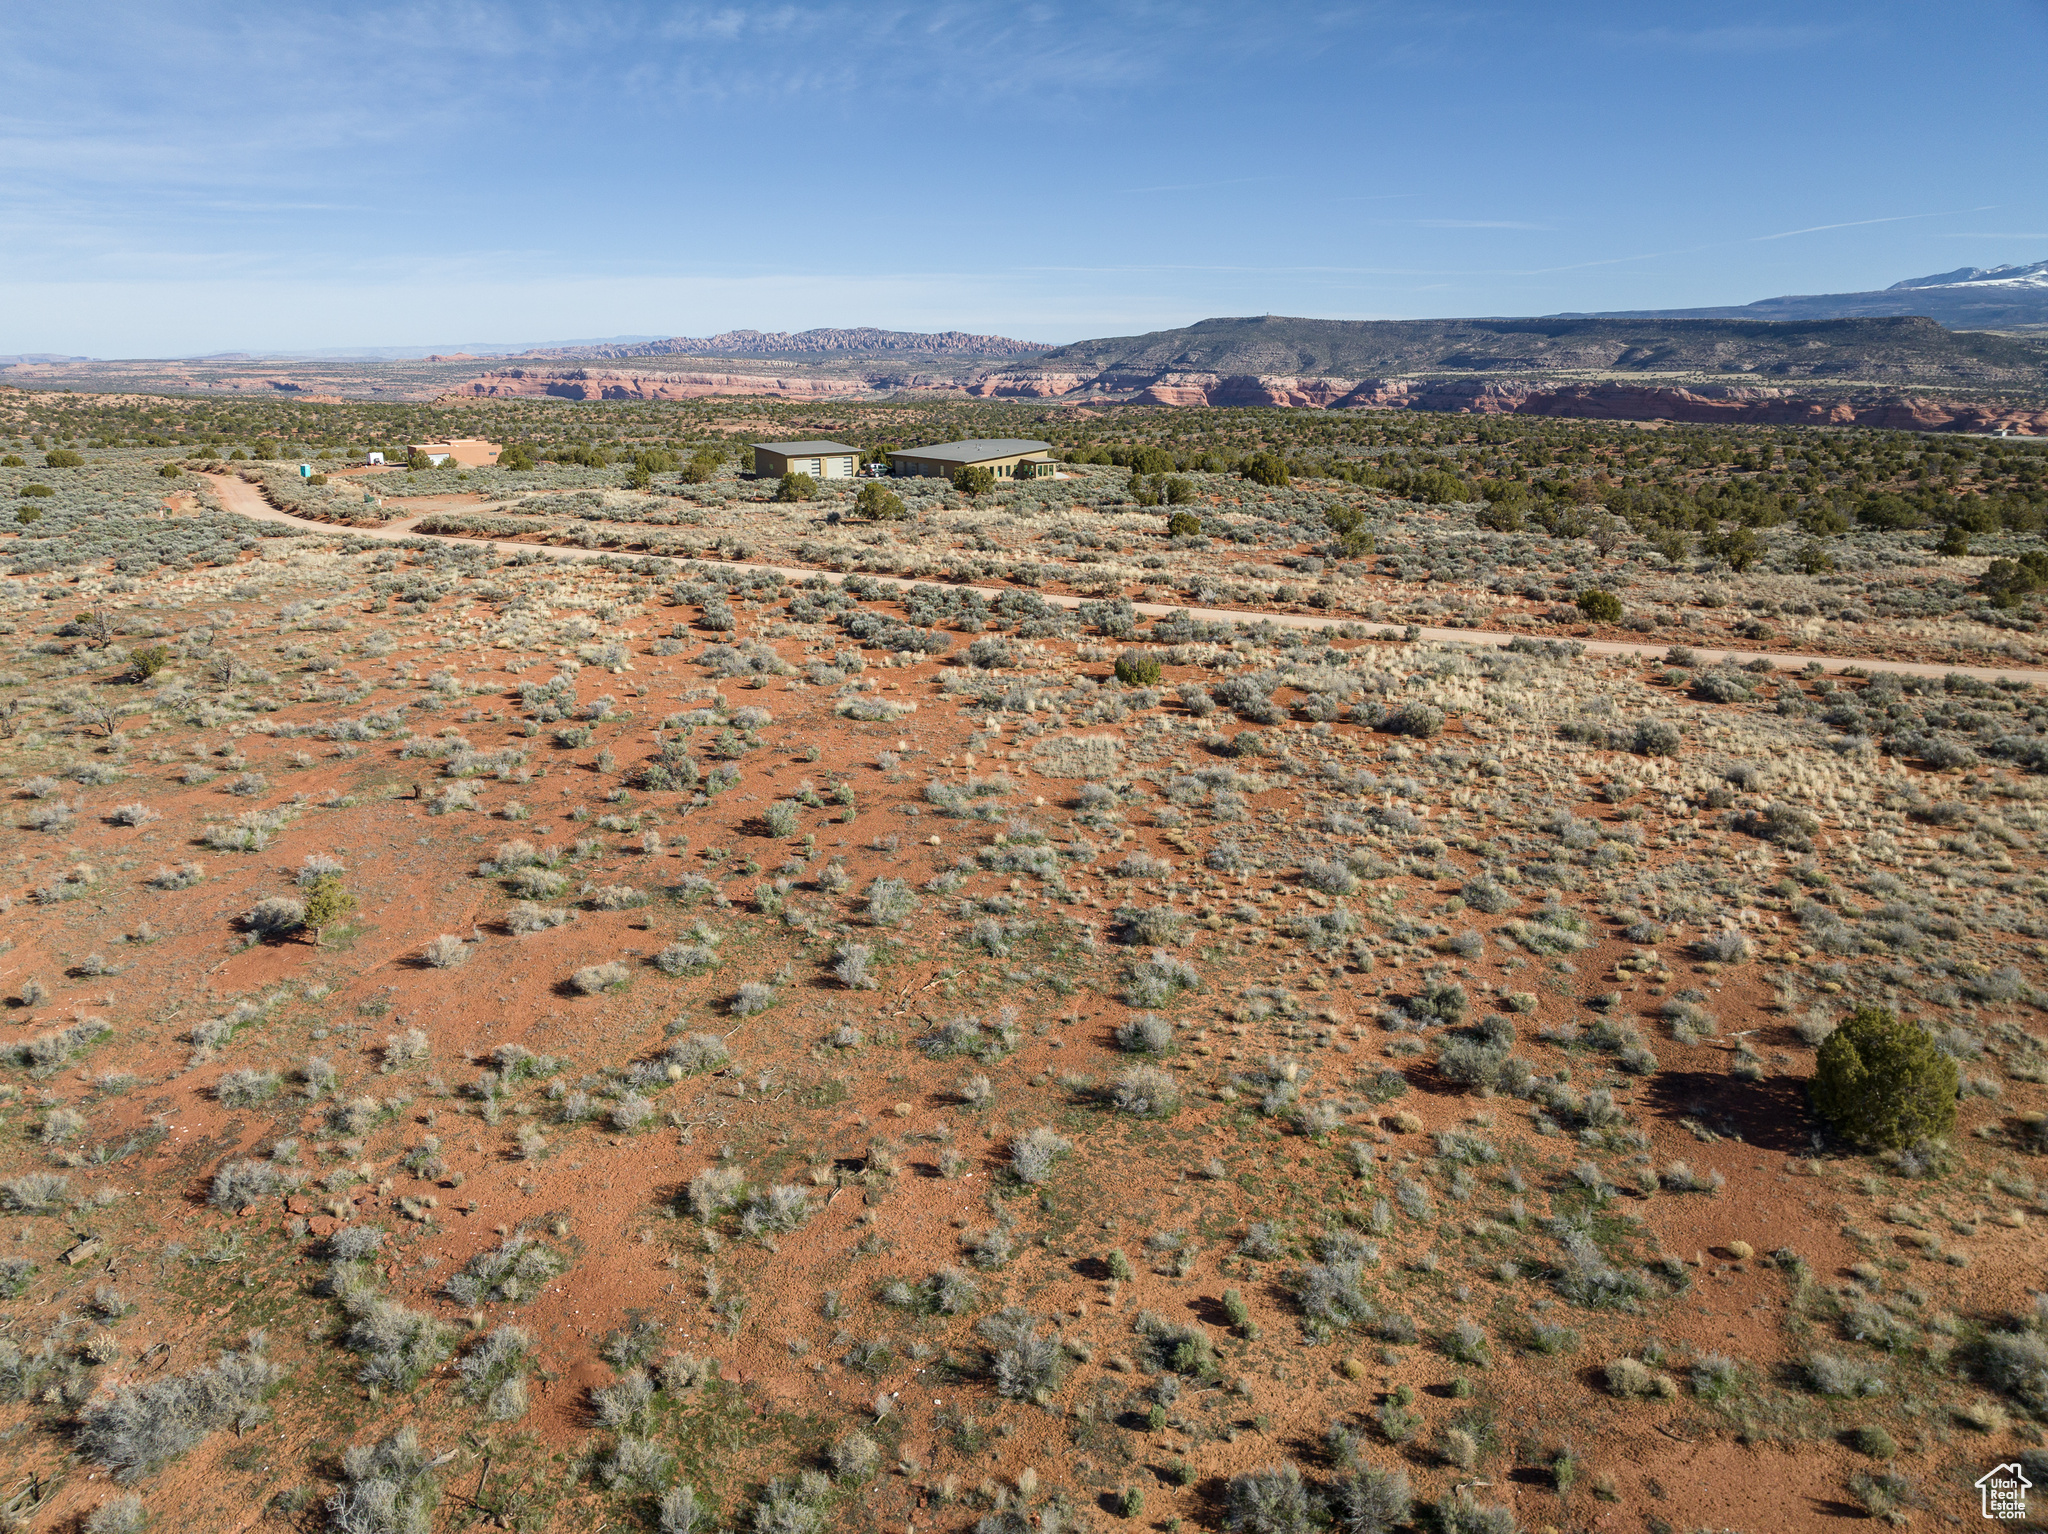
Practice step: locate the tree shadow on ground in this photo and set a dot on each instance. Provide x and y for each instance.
(1773, 1113)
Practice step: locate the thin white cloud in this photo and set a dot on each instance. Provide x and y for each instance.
(1476, 223)
(1858, 223)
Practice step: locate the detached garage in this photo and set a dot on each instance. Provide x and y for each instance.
(820, 460)
(1004, 457)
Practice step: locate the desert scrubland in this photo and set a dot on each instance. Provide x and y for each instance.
(536, 1022)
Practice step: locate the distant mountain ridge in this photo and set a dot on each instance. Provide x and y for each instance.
(1839, 372)
(862, 339)
(1896, 349)
(1968, 298)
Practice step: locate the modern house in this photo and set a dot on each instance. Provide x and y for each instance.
(469, 452)
(1005, 457)
(820, 460)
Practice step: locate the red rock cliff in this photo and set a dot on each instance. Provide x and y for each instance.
(1612, 401)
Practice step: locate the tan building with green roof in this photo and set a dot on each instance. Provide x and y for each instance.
(820, 460)
(1005, 457)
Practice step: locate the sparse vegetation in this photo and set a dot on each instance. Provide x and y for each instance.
(1462, 993)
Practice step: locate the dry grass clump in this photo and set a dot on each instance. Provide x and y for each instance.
(1634, 1380)
(1144, 1090)
(118, 1515)
(1145, 1034)
(948, 1292)
(1033, 1154)
(389, 1488)
(49, 1052)
(241, 1183)
(592, 979)
(35, 1193)
(139, 1427)
(506, 1274)
(714, 1191)
(524, 917)
(445, 952)
(1022, 1362)
(689, 1055)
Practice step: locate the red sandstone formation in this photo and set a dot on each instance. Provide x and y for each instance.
(1615, 401)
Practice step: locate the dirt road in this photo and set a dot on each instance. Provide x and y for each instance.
(243, 498)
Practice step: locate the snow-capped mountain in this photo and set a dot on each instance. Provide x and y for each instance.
(2035, 276)
(1968, 298)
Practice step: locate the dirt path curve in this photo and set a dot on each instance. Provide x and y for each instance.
(241, 497)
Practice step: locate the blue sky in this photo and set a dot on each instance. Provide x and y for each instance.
(196, 177)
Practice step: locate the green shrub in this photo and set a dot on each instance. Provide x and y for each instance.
(974, 479)
(796, 487)
(518, 458)
(1135, 670)
(1738, 547)
(1600, 606)
(1424, 721)
(1265, 469)
(36, 492)
(1872, 1440)
(1354, 539)
(1184, 524)
(879, 503)
(62, 458)
(170, 471)
(1656, 737)
(1882, 1082)
(2005, 581)
(148, 660)
(327, 902)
